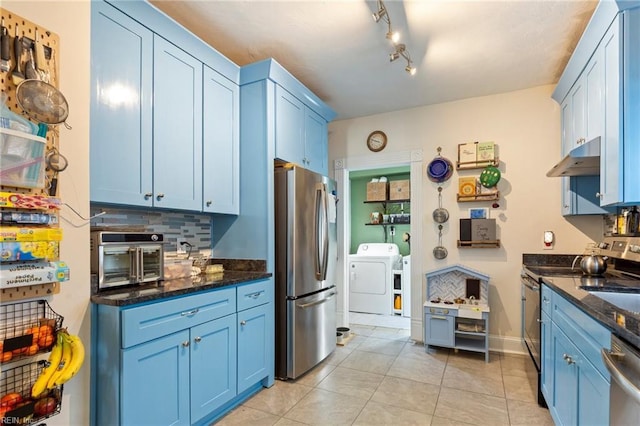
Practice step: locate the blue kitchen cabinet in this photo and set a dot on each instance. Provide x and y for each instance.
(184, 360)
(213, 365)
(155, 382)
(575, 382)
(121, 140)
(153, 114)
(177, 128)
(221, 144)
(301, 133)
(255, 335)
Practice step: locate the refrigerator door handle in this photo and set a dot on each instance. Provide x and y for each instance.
(322, 232)
(317, 302)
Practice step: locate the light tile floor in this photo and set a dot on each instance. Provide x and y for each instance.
(380, 377)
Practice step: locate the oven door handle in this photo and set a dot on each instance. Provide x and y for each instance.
(627, 385)
(531, 286)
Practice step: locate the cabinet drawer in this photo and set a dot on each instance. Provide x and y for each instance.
(441, 311)
(546, 299)
(254, 294)
(159, 319)
(585, 332)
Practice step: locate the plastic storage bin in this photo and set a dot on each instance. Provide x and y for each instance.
(21, 159)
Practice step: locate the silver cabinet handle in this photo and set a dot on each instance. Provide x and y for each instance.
(198, 339)
(545, 300)
(568, 358)
(540, 321)
(243, 322)
(148, 195)
(185, 343)
(189, 313)
(208, 203)
(599, 195)
(625, 383)
(160, 196)
(254, 295)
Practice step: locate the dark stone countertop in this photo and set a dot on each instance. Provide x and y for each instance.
(622, 323)
(244, 271)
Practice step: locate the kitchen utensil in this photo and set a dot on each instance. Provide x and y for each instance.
(5, 49)
(39, 55)
(439, 169)
(42, 102)
(16, 75)
(440, 252)
(30, 68)
(591, 264)
(57, 163)
(490, 176)
(440, 215)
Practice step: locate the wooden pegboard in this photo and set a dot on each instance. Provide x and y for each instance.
(27, 31)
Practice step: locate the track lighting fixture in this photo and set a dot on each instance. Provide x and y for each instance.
(394, 37)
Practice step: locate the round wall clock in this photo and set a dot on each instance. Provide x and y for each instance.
(376, 141)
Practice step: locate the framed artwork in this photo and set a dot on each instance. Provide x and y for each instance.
(479, 213)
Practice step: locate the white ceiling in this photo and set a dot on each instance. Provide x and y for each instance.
(462, 49)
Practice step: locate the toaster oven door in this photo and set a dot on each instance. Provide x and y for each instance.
(121, 265)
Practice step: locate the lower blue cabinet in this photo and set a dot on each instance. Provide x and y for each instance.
(574, 381)
(211, 358)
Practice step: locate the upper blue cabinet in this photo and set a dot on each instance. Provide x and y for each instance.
(300, 117)
(599, 94)
(164, 114)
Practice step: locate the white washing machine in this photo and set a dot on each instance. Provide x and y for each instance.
(371, 277)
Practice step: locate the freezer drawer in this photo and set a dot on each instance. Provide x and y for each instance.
(312, 331)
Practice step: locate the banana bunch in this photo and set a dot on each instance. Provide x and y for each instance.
(64, 362)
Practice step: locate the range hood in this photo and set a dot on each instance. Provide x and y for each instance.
(583, 160)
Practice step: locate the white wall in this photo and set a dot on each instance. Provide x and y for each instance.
(71, 22)
(526, 127)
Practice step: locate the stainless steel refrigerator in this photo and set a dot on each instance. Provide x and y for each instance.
(305, 272)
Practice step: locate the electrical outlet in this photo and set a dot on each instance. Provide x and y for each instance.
(548, 240)
(181, 248)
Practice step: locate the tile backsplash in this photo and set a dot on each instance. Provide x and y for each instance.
(194, 227)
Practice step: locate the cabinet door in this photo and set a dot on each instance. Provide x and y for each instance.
(315, 142)
(177, 128)
(439, 330)
(221, 144)
(594, 88)
(611, 145)
(255, 345)
(579, 112)
(546, 378)
(567, 141)
(564, 405)
(593, 396)
(213, 365)
(289, 127)
(155, 382)
(121, 108)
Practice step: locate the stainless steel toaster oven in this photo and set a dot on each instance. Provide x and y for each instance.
(126, 258)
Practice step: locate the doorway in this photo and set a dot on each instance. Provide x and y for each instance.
(343, 169)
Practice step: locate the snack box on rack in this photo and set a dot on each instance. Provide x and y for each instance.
(29, 250)
(30, 273)
(29, 201)
(15, 233)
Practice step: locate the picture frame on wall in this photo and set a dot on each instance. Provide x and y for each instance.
(479, 213)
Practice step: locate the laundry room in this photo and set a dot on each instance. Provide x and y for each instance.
(380, 246)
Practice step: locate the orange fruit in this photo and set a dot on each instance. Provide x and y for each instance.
(45, 341)
(19, 350)
(35, 331)
(45, 330)
(6, 356)
(33, 349)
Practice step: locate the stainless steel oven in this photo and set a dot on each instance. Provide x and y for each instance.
(122, 259)
(531, 326)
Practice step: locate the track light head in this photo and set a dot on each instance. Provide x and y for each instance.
(409, 69)
(393, 56)
(394, 36)
(377, 16)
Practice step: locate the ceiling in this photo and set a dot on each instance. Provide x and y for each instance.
(461, 49)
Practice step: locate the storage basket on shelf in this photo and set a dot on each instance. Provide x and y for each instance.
(21, 159)
(27, 328)
(18, 406)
